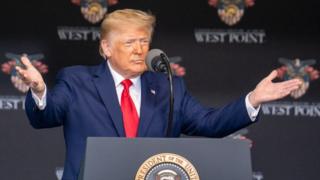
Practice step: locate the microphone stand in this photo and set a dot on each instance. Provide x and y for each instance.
(171, 97)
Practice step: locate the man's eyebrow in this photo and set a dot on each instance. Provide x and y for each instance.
(137, 39)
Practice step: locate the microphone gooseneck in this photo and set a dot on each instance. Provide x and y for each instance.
(158, 61)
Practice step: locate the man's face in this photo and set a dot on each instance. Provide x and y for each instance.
(127, 49)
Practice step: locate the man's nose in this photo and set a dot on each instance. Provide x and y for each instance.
(137, 47)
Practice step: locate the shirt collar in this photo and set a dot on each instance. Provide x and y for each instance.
(118, 78)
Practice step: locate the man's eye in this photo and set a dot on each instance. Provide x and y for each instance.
(145, 41)
(128, 43)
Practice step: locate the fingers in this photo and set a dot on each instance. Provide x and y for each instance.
(25, 61)
(20, 71)
(22, 74)
(283, 94)
(26, 78)
(272, 75)
(288, 86)
(290, 83)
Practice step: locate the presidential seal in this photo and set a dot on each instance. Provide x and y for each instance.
(167, 166)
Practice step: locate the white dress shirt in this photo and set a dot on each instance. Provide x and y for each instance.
(134, 90)
(135, 93)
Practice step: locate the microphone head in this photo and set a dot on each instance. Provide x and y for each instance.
(152, 57)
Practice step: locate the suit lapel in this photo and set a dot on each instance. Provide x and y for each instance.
(106, 88)
(148, 101)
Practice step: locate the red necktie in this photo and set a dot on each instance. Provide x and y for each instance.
(129, 112)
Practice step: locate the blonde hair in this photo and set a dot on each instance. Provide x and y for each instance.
(119, 18)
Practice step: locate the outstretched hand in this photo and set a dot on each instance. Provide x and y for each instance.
(267, 90)
(31, 76)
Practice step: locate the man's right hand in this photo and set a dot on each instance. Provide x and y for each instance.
(31, 76)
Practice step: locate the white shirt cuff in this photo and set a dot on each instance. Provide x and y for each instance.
(40, 102)
(252, 112)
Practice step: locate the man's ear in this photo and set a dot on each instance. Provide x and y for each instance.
(105, 45)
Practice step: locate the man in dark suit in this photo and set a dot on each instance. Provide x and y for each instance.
(119, 98)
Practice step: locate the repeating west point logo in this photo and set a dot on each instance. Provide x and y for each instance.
(14, 60)
(231, 11)
(94, 10)
(297, 69)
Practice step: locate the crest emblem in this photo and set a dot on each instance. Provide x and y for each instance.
(231, 11)
(94, 10)
(14, 60)
(297, 69)
(167, 166)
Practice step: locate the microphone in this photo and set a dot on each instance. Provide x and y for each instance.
(157, 61)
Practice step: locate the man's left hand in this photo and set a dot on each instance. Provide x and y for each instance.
(267, 90)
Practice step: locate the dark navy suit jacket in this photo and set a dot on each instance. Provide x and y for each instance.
(85, 103)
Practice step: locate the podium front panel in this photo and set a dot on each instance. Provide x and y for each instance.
(120, 158)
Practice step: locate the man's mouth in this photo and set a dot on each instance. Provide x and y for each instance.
(138, 61)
